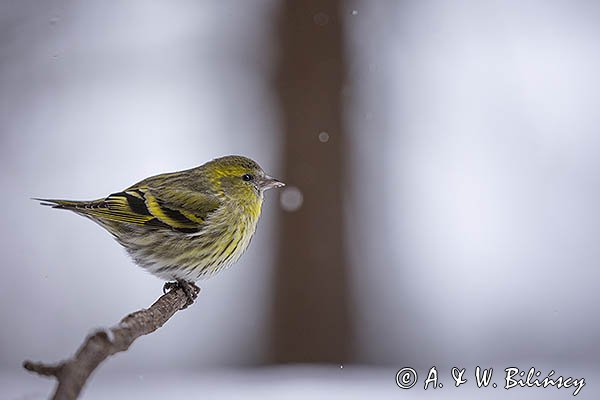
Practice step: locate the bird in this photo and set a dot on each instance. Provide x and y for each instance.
(184, 226)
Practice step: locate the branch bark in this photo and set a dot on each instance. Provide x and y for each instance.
(73, 373)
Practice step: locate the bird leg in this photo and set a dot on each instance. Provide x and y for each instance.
(168, 286)
(190, 289)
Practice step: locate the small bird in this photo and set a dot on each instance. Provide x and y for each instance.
(184, 226)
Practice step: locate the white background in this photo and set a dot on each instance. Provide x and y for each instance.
(472, 208)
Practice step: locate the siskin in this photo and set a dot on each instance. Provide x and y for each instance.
(184, 226)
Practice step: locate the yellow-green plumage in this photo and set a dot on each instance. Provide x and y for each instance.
(184, 225)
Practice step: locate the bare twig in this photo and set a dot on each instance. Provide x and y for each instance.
(73, 373)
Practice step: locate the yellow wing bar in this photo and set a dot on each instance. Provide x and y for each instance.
(134, 206)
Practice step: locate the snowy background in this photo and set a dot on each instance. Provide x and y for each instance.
(471, 209)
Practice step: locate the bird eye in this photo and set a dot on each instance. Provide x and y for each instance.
(248, 177)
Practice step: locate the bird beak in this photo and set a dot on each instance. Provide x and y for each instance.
(268, 182)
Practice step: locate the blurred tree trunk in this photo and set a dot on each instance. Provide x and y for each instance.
(311, 319)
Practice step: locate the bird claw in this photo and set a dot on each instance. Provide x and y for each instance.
(168, 286)
(190, 289)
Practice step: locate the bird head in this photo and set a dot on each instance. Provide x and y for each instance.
(239, 178)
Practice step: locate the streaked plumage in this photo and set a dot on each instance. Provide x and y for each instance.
(185, 225)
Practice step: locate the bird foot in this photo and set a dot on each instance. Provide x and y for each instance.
(190, 289)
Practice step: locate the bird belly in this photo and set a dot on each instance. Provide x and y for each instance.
(172, 255)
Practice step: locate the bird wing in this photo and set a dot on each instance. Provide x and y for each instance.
(179, 209)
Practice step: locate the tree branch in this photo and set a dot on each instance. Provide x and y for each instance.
(73, 373)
